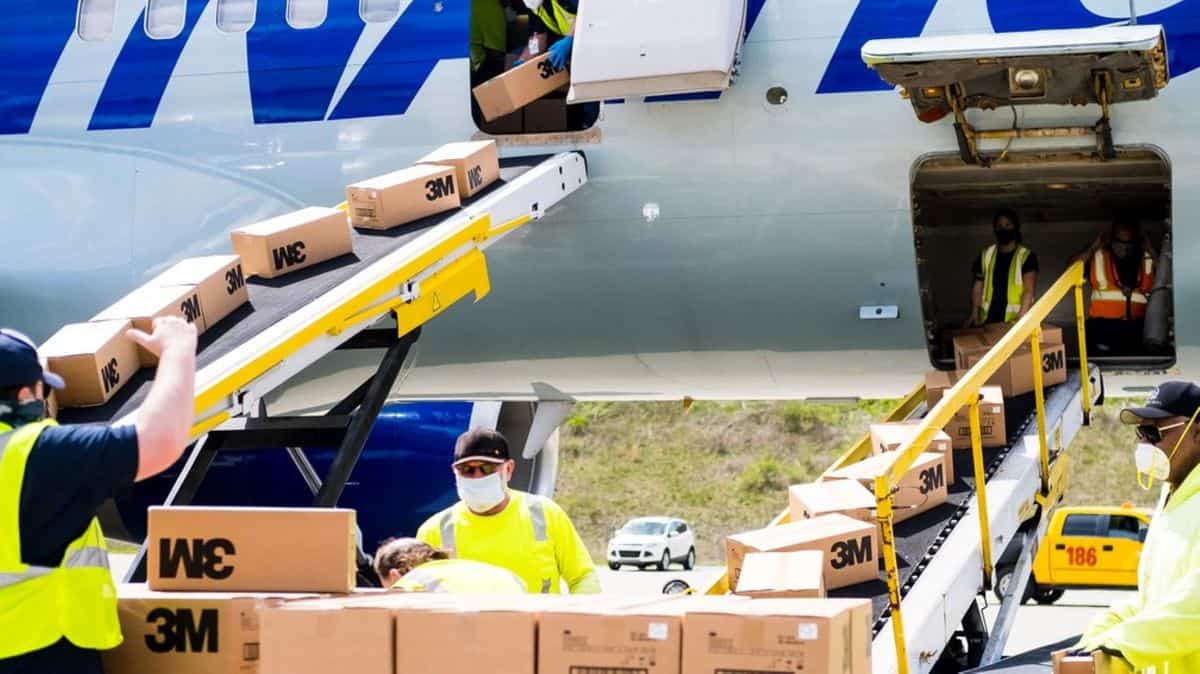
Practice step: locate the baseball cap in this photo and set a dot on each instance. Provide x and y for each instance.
(1172, 399)
(480, 444)
(21, 364)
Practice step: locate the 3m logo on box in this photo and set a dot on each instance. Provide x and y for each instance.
(288, 256)
(181, 631)
(234, 280)
(199, 558)
(190, 308)
(1054, 361)
(110, 375)
(932, 479)
(851, 552)
(439, 187)
(546, 69)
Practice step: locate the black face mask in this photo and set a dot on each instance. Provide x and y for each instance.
(23, 413)
(1006, 236)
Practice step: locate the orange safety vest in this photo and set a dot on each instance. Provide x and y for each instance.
(1108, 300)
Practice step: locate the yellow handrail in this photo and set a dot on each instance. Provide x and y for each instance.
(965, 393)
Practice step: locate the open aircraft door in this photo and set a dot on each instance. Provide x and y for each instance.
(636, 49)
(943, 75)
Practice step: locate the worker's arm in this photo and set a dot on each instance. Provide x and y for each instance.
(1164, 631)
(164, 422)
(430, 531)
(574, 563)
(1028, 282)
(1116, 614)
(976, 300)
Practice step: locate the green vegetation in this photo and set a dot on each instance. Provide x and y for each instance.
(726, 466)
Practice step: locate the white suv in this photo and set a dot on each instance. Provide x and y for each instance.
(657, 541)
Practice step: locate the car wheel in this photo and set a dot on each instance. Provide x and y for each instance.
(1047, 595)
(614, 566)
(1003, 580)
(689, 562)
(665, 561)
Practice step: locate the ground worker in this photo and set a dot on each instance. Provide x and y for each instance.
(1157, 628)
(412, 565)
(58, 604)
(1121, 270)
(489, 42)
(527, 534)
(558, 16)
(1005, 275)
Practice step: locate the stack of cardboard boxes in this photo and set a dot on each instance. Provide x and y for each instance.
(97, 358)
(212, 571)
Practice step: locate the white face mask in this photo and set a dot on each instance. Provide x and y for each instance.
(481, 494)
(1151, 462)
(533, 5)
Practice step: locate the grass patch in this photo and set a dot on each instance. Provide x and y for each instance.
(725, 466)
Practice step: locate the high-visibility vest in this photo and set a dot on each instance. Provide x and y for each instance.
(556, 18)
(39, 605)
(460, 576)
(1016, 285)
(1108, 300)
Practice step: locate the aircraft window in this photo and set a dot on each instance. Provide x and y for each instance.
(164, 18)
(235, 16)
(378, 11)
(306, 13)
(96, 19)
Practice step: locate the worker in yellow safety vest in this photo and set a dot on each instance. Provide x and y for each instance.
(527, 534)
(412, 565)
(558, 16)
(1156, 630)
(1005, 275)
(58, 604)
(1120, 268)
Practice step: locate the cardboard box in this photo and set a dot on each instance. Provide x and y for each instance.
(923, 488)
(187, 632)
(400, 197)
(219, 281)
(322, 636)
(95, 359)
(251, 549)
(147, 303)
(769, 635)
(892, 436)
(476, 164)
(992, 428)
(782, 575)
(292, 241)
(547, 115)
(461, 637)
(590, 637)
(1015, 377)
(846, 497)
(519, 87)
(861, 637)
(848, 544)
(1094, 663)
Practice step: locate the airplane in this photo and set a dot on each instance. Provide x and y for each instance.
(797, 235)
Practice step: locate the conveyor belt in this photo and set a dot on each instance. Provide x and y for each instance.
(274, 299)
(918, 539)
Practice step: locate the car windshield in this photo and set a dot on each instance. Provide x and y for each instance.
(644, 528)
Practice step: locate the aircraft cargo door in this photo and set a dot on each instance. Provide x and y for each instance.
(637, 49)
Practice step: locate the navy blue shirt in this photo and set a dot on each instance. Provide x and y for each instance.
(71, 471)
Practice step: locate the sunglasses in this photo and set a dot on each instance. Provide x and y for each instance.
(1152, 433)
(473, 469)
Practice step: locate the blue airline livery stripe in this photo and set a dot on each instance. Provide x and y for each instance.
(139, 78)
(33, 35)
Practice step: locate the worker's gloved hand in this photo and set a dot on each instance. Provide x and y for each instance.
(560, 52)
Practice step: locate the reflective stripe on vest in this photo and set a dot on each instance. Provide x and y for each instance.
(41, 605)
(1016, 282)
(1108, 300)
(537, 514)
(447, 527)
(557, 18)
(428, 581)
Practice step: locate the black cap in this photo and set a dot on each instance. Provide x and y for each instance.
(20, 363)
(1172, 399)
(481, 444)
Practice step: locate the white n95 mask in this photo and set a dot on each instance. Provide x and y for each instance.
(481, 494)
(533, 5)
(1151, 462)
